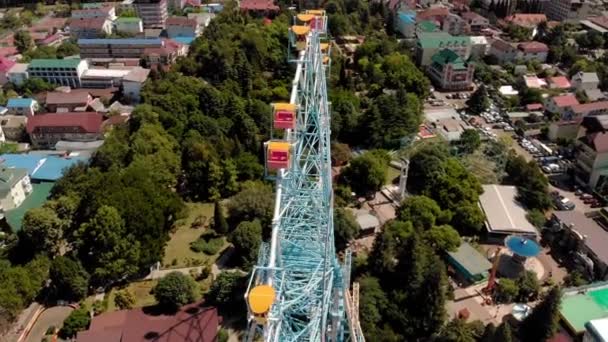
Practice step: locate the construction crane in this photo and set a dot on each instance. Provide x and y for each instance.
(299, 291)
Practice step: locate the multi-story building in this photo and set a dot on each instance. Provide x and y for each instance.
(450, 72)
(592, 151)
(503, 51)
(47, 129)
(65, 72)
(582, 81)
(133, 82)
(154, 13)
(454, 25)
(479, 46)
(13, 127)
(106, 11)
(561, 10)
(73, 101)
(529, 51)
(430, 44)
(17, 74)
(117, 48)
(15, 186)
(22, 106)
(90, 27)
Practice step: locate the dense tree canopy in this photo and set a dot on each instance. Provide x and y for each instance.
(175, 289)
(68, 278)
(543, 322)
(366, 173)
(247, 238)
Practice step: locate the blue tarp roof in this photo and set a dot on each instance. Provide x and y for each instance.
(407, 17)
(184, 40)
(40, 167)
(19, 103)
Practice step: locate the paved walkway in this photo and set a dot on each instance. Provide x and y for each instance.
(216, 268)
(50, 317)
(22, 320)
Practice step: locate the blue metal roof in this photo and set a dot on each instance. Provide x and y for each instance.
(122, 41)
(19, 102)
(184, 40)
(31, 162)
(53, 167)
(40, 167)
(407, 17)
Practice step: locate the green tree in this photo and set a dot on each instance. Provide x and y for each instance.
(248, 167)
(219, 221)
(543, 322)
(372, 305)
(537, 218)
(247, 238)
(42, 230)
(340, 154)
(68, 278)
(68, 48)
(506, 291)
(529, 287)
(488, 333)
(443, 238)
(175, 289)
(23, 41)
(575, 279)
(346, 227)
(458, 330)
(78, 320)
(124, 299)
(504, 333)
(226, 292)
(254, 201)
(479, 100)
(470, 140)
(365, 174)
(106, 247)
(422, 211)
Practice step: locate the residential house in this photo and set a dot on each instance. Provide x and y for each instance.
(562, 10)
(592, 151)
(154, 13)
(46, 130)
(13, 127)
(260, 7)
(133, 82)
(18, 74)
(534, 82)
(102, 78)
(203, 19)
(53, 40)
(164, 55)
(73, 101)
(434, 14)
(503, 51)
(526, 20)
(582, 81)
(529, 51)
(450, 72)
(558, 82)
(567, 125)
(182, 27)
(22, 106)
(192, 322)
(426, 26)
(128, 25)
(106, 12)
(561, 104)
(41, 167)
(430, 44)
(596, 23)
(90, 27)
(476, 23)
(451, 129)
(15, 186)
(64, 72)
(592, 108)
(5, 65)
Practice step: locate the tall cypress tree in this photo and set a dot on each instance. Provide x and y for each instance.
(543, 322)
(219, 221)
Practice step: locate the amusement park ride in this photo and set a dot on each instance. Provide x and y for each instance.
(299, 291)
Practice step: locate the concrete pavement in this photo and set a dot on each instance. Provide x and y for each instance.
(50, 317)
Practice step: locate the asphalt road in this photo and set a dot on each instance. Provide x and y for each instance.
(50, 317)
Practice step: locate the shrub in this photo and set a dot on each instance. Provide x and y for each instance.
(124, 299)
(175, 290)
(78, 320)
(211, 246)
(506, 291)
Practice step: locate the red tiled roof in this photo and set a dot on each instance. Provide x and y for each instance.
(599, 141)
(585, 108)
(49, 24)
(258, 5)
(567, 100)
(533, 47)
(600, 21)
(89, 122)
(502, 45)
(87, 23)
(534, 106)
(50, 39)
(181, 21)
(526, 19)
(432, 13)
(8, 51)
(6, 64)
(470, 16)
(560, 82)
(77, 97)
(190, 323)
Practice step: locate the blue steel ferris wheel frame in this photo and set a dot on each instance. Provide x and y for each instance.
(300, 262)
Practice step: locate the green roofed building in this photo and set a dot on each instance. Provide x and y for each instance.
(426, 26)
(469, 263)
(583, 304)
(449, 71)
(64, 72)
(429, 43)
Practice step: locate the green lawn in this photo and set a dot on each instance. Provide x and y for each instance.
(177, 252)
(391, 174)
(141, 290)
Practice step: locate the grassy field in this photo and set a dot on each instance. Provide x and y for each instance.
(141, 290)
(391, 174)
(177, 252)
